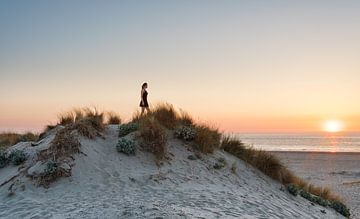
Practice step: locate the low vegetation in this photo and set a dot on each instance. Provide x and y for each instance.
(126, 146)
(204, 138)
(185, 132)
(9, 138)
(64, 144)
(4, 160)
(207, 139)
(113, 119)
(270, 165)
(153, 137)
(17, 157)
(127, 128)
(89, 122)
(52, 172)
(220, 163)
(319, 199)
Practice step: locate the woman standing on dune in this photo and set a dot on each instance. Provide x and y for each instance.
(144, 103)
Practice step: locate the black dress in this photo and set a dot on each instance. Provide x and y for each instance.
(144, 102)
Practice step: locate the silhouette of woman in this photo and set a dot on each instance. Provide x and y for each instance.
(144, 102)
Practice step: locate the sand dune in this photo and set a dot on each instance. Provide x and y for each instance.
(108, 184)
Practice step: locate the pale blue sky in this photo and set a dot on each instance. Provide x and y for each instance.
(229, 62)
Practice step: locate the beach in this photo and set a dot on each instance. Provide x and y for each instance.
(338, 171)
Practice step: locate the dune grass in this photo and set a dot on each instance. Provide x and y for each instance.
(89, 122)
(166, 115)
(207, 138)
(153, 137)
(113, 119)
(10, 138)
(270, 165)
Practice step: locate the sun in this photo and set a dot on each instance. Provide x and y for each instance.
(333, 126)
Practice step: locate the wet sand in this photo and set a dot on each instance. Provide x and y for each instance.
(338, 171)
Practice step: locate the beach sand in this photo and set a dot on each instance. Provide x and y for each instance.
(338, 171)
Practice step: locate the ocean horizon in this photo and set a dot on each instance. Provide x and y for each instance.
(303, 142)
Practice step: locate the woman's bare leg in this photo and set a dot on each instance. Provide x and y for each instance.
(142, 111)
(147, 110)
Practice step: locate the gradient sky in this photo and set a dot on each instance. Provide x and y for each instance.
(255, 66)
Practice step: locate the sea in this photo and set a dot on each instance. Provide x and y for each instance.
(319, 142)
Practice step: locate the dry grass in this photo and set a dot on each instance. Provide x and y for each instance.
(207, 139)
(8, 138)
(64, 144)
(89, 122)
(113, 118)
(270, 165)
(184, 118)
(166, 115)
(154, 137)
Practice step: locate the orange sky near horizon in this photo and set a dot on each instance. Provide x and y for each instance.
(242, 66)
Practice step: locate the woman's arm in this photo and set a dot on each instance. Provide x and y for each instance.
(142, 92)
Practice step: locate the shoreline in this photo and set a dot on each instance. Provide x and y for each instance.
(317, 152)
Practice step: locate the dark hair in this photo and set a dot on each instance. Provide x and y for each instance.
(144, 84)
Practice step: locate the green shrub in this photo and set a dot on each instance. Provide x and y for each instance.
(4, 159)
(50, 174)
(51, 167)
(340, 207)
(127, 128)
(192, 157)
(293, 189)
(17, 157)
(221, 163)
(126, 146)
(187, 133)
(314, 198)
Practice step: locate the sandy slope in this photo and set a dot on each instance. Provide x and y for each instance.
(107, 184)
(339, 171)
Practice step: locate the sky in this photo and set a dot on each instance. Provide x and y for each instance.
(243, 66)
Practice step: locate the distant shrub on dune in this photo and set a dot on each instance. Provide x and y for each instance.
(340, 207)
(67, 118)
(95, 118)
(187, 133)
(125, 129)
(113, 119)
(52, 172)
(207, 139)
(4, 159)
(17, 157)
(9, 138)
(154, 137)
(126, 146)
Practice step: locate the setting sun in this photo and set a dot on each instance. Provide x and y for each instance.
(333, 126)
